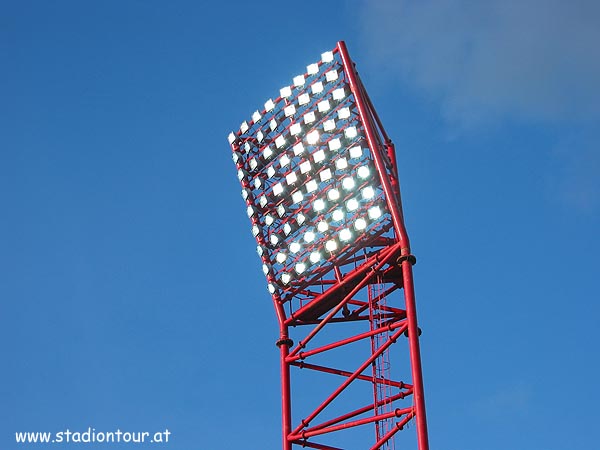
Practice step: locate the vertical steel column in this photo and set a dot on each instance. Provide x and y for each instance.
(286, 419)
(415, 354)
(284, 343)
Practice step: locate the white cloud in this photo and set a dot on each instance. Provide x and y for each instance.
(532, 59)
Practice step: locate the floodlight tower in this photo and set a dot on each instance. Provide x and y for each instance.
(320, 182)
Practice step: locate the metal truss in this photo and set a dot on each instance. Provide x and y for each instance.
(354, 306)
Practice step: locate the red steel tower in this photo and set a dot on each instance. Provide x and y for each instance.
(320, 182)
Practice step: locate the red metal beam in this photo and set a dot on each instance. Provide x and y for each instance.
(363, 109)
(346, 341)
(308, 444)
(310, 433)
(344, 373)
(362, 410)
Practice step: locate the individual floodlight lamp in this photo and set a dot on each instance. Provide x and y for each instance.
(320, 185)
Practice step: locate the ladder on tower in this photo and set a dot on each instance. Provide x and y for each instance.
(382, 390)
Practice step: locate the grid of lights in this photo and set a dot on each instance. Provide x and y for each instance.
(313, 194)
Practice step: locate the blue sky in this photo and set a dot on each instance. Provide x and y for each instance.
(130, 293)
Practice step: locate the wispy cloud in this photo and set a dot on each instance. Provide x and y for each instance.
(531, 59)
(527, 61)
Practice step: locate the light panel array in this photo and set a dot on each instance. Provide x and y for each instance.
(311, 188)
